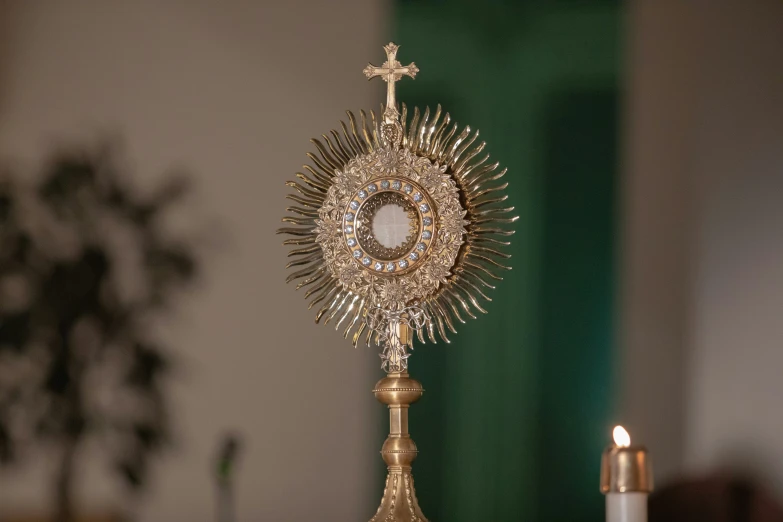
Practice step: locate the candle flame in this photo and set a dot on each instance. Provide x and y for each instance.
(621, 437)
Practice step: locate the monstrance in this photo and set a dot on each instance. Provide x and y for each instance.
(398, 225)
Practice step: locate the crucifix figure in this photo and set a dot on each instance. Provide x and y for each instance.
(391, 71)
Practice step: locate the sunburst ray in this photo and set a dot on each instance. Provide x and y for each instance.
(427, 134)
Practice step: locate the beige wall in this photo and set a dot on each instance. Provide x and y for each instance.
(735, 392)
(703, 281)
(656, 217)
(232, 91)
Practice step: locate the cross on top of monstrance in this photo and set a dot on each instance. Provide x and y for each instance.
(391, 71)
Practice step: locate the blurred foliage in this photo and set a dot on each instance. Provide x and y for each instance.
(86, 265)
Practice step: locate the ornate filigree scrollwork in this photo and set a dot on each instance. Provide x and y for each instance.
(393, 329)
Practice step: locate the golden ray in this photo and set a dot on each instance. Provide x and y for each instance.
(427, 134)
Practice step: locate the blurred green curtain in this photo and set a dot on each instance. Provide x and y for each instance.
(518, 408)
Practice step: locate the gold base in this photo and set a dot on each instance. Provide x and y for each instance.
(399, 503)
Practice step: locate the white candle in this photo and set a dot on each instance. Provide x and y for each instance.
(626, 507)
(626, 479)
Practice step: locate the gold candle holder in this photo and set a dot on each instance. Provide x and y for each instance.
(626, 470)
(626, 479)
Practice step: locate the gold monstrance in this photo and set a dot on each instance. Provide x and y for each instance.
(398, 226)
